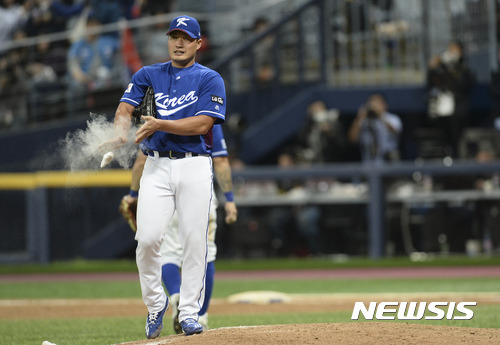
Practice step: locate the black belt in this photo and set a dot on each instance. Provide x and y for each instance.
(173, 154)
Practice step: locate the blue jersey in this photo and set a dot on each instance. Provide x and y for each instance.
(180, 93)
(220, 148)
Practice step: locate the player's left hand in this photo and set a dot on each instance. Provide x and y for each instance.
(128, 209)
(231, 212)
(149, 126)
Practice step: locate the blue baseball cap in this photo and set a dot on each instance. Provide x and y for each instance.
(185, 24)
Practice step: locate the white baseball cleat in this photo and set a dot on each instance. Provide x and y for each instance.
(154, 323)
(191, 326)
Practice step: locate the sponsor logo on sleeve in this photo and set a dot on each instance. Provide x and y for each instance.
(129, 88)
(218, 99)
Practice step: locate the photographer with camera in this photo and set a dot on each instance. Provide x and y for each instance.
(449, 85)
(322, 139)
(376, 131)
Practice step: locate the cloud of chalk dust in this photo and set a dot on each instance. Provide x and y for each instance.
(80, 149)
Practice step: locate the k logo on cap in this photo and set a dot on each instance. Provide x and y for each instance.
(186, 24)
(181, 21)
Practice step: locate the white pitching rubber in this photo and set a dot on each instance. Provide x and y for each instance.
(107, 158)
(48, 343)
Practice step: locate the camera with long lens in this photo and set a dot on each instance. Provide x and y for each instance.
(325, 116)
(371, 114)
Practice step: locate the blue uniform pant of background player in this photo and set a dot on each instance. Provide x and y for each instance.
(171, 277)
(172, 280)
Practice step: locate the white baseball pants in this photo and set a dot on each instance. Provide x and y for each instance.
(171, 248)
(168, 185)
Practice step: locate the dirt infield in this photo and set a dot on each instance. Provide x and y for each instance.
(68, 308)
(336, 333)
(303, 334)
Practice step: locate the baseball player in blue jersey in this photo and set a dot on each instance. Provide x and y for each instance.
(177, 175)
(171, 248)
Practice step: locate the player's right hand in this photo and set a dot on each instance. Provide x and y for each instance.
(112, 144)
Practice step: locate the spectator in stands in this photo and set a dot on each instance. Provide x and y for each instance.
(13, 81)
(66, 12)
(84, 55)
(153, 7)
(12, 64)
(285, 221)
(42, 20)
(322, 140)
(263, 53)
(110, 11)
(494, 119)
(376, 131)
(67, 8)
(12, 18)
(49, 62)
(90, 65)
(151, 41)
(449, 83)
(54, 55)
(46, 85)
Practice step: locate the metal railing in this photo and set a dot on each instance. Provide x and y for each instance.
(36, 187)
(363, 43)
(280, 46)
(342, 43)
(31, 100)
(333, 42)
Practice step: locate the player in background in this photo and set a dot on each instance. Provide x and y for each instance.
(178, 173)
(171, 249)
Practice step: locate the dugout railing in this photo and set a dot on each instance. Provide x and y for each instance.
(36, 187)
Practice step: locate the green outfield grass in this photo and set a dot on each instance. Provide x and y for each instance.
(73, 266)
(224, 288)
(99, 331)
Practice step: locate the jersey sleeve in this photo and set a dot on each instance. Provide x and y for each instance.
(73, 50)
(395, 121)
(219, 149)
(137, 88)
(212, 100)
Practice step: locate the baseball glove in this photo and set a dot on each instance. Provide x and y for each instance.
(147, 106)
(129, 212)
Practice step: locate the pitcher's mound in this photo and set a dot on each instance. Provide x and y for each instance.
(336, 333)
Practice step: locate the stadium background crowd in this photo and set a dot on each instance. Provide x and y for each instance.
(310, 71)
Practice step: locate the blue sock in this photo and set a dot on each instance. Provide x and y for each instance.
(209, 285)
(171, 277)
